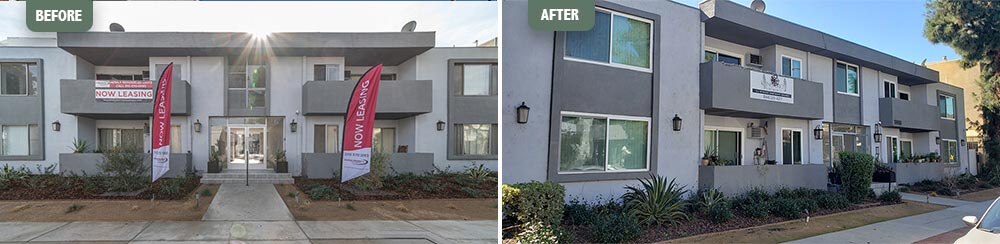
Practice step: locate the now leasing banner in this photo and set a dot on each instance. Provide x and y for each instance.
(123, 90)
(358, 126)
(161, 124)
(772, 87)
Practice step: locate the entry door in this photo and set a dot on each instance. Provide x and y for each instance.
(247, 147)
(892, 149)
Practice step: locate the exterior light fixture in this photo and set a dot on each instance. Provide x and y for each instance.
(197, 126)
(818, 132)
(440, 125)
(145, 127)
(522, 114)
(937, 140)
(56, 126)
(294, 126)
(677, 122)
(878, 132)
(963, 141)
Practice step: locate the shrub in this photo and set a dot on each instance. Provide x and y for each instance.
(720, 213)
(535, 202)
(657, 202)
(890, 197)
(480, 173)
(832, 201)
(206, 192)
(373, 179)
(172, 187)
(125, 169)
(577, 213)
(967, 181)
(537, 232)
(10, 174)
(786, 207)
(322, 192)
(757, 195)
(856, 171)
(471, 193)
(757, 210)
(706, 199)
(79, 146)
(615, 228)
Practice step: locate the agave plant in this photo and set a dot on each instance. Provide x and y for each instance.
(656, 202)
(706, 199)
(79, 146)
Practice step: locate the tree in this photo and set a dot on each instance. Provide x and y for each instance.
(972, 28)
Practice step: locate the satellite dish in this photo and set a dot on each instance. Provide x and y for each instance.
(409, 26)
(115, 27)
(758, 5)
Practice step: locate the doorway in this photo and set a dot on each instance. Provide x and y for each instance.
(247, 147)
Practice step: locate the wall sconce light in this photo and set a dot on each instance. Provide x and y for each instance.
(294, 126)
(197, 126)
(440, 125)
(56, 126)
(878, 132)
(145, 127)
(963, 141)
(937, 140)
(522, 114)
(677, 122)
(818, 132)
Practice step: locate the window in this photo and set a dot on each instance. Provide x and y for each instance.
(946, 106)
(903, 95)
(19, 79)
(840, 137)
(791, 146)
(477, 139)
(600, 143)
(476, 79)
(905, 149)
(326, 139)
(725, 144)
(384, 140)
(617, 39)
(121, 138)
(791, 67)
(892, 149)
(175, 139)
(327, 72)
(723, 58)
(889, 88)
(247, 86)
(384, 76)
(20, 140)
(846, 77)
(949, 151)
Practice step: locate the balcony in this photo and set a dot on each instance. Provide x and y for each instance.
(396, 98)
(79, 98)
(737, 179)
(909, 116)
(725, 91)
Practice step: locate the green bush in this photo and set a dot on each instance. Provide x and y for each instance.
(615, 228)
(537, 232)
(534, 202)
(172, 187)
(322, 192)
(720, 213)
(757, 195)
(576, 213)
(125, 169)
(832, 201)
(706, 199)
(786, 207)
(373, 179)
(656, 202)
(756, 209)
(807, 203)
(856, 171)
(890, 197)
(967, 181)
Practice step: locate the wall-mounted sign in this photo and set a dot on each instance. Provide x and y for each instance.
(123, 90)
(772, 87)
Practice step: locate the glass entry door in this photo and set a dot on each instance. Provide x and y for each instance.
(247, 147)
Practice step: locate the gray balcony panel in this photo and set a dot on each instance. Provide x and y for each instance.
(396, 99)
(737, 179)
(87, 163)
(907, 173)
(325, 165)
(78, 99)
(725, 91)
(909, 116)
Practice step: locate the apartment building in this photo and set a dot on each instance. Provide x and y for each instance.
(244, 99)
(655, 86)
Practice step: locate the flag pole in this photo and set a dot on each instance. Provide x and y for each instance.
(156, 90)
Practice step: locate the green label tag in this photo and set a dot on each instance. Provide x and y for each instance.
(561, 15)
(59, 15)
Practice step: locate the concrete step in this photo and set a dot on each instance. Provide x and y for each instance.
(244, 175)
(255, 177)
(252, 181)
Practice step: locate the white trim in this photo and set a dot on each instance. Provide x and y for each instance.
(802, 142)
(899, 93)
(954, 103)
(888, 146)
(611, 36)
(781, 70)
(608, 118)
(958, 157)
(743, 138)
(895, 88)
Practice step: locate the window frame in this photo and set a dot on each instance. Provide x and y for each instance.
(739, 148)
(893, 156)
(27, 80)
(608, 118)
(945, 145)
(489, 80)
(802, 142)
(395, 145)
(847, 68)
(899, 94)
(27, 140)
(781, 66)
(326, 137)
(953, 102)
(895, 88)
(910, 142)
(723, 52)
(326, 72)
(611, 31)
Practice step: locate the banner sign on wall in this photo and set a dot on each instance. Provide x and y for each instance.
(772, 87)
(358, 126)
(160, 134)
(123, 90)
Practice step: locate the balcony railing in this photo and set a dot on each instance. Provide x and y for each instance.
(323, 165)
(78, 97)
(910, 115)
(726, 90)
(396, 98)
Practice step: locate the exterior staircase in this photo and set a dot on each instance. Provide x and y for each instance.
(239, 176)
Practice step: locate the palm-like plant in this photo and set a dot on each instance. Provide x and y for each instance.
(656, 202)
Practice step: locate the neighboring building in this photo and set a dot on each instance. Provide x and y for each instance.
(248, 97)
(953, 74)
(746, 86)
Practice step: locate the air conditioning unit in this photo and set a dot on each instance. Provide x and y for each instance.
(754, 60)
(756, 133)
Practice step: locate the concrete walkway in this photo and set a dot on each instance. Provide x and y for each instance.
(934, 200)
(238, 202)
(908, 229)
(430, 231)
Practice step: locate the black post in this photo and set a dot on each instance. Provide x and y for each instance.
(246, 160)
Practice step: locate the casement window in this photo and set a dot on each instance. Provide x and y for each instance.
(384, 140)
(839, 138)
(721, 57)
(326, 139)
(791, 146)
(603, 143)
(19, 79)
(724, 143)
(791, 67)
(477, 139)
(322, 72)
(949, 151)
(846, 77)
(20, 140)
(617, 39)
(175, 139)
(247, 86)
(889, 89)
(946, 106)
(476, 79)
(905, 149)
(122, 138)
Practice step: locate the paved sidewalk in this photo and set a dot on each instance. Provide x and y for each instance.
(905, 230)
(238, 202)
(935, 200)
(430, 231)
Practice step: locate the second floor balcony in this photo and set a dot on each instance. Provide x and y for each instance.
(396, 98)
(908, 115)
(99, 100)
(731, 90)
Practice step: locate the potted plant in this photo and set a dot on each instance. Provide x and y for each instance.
(934, 157)
(709, 158)
(214, 163)
(280, 162)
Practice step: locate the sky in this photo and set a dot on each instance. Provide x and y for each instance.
(456, 23)
(894, 27)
